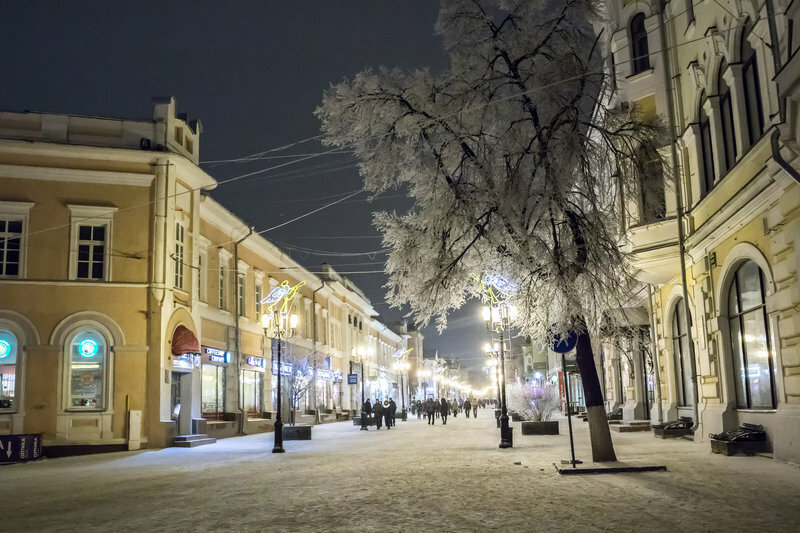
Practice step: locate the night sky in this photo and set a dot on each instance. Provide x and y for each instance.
(253, 73)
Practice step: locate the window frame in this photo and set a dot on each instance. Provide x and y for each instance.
(17, 211)
(640, 50)
(738, 315)
(706, 139)
(67, 371)
(750, 73)
(82, 215)
(726, 121)
(180, 256)
(680, 339)
(16, 397)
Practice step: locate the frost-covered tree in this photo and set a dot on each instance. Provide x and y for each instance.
(514, 166)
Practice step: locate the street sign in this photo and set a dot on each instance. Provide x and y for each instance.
(352, 379)
(564, 344)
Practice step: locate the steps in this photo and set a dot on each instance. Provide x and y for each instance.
(629, 426)
(192, 441)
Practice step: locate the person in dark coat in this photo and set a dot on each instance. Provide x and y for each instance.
(444, 410)
(430, 408)
(393, 411)
(419, 409)
(467, 407)
(367, 410)
(454, 408)
(387, 414)
(378, 410)
(474, 408)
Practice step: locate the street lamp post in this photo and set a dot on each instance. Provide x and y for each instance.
(500, 326)
(402, 367)
(494, 363)
(279, 325)
(364, 426)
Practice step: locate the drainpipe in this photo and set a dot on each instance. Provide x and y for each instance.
(317, 419)
(656, 365)
(679, 206)
(237, 334)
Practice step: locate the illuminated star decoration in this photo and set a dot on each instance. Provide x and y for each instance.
(283, 294)
(496, 286)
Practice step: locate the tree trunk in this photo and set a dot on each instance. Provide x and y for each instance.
(599, 433)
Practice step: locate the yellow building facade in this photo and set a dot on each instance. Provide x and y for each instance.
(715, 332)
(130, 300)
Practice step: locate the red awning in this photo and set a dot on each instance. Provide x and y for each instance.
(184, 341)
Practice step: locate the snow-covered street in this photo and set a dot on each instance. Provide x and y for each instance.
(412, 478)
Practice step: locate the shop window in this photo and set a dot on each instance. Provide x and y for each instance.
(683, 362)
(87, 359)
(252, 391)
(750, 339)
(180, 248)
(752, 88)
(212, 392)
(8, 370)
(706, 148)
(726, 120)
(641, 54)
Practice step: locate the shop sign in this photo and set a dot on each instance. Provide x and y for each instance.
(324, 374)
(352, 379)
(286, 368)
(214, 355)
(184, 360)
(260, 362)
(337, 375)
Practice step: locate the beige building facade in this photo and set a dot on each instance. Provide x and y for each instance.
(131, 301)
(715, 332)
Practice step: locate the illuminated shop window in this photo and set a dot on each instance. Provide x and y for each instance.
(86, 384)
(252, 387)
(212, 391)
(8, 370)
(750, 339)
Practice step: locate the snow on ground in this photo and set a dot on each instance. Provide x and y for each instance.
(412, 478)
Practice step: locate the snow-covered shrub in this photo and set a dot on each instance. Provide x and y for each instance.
(532, 402)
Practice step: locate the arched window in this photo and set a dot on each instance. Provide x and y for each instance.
(641, 55)
(750, 339)
(706, 147)
(87, 359)
(726, 119)
(752, 91)
(8, 370)
(683, 362)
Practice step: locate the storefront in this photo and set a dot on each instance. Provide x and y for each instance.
(212, 383)
(8, 371)
(253, 370)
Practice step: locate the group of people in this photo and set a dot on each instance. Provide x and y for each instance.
(384, 412)
(442, 408)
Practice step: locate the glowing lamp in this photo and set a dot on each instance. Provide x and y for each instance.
(487, 313)
(5, 349)
(87, 348)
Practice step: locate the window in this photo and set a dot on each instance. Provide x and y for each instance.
(212, 392)
(222, 282)
(706, 148)
(240, 285)
(750, 339)
(91, 242)
(202, 276)
(252, 387)
(641, 55)
(180, 247)
(752, 91)
(86, 371)
(683, 363)
(652, 205)
(258, 301)
(8, 370)
(10, 247)
(726, 120)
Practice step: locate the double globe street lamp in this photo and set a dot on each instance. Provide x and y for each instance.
(497, 320)
(279, 325)
(494, 365)
(361, 353)
(402, 367)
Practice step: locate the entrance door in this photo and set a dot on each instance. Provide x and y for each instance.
(181, 401)
(175, 396)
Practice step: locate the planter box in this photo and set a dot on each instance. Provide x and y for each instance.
(549, 427)
(297, 432)
(738, 447)
(670, 433)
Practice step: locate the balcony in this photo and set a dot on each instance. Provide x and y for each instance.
(653, 250)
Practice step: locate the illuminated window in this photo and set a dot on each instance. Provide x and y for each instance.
(86, 371)
(750, 339)
(683, 363)
(180, 248)
(8, 370)
(212, 391)
(641, 54)
(252, 391)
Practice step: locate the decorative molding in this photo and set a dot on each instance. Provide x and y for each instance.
(76, 175)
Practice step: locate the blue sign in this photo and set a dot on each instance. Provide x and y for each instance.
(352, 379)
(564, 344)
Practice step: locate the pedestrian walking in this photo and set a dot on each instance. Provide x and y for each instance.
(419, 409)
(444, 410)
(475, 409)
(454, 407)
(467, 407)
(387, 414)
(378, 410)
(430, 407)
(393, 411)
(367, 410)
